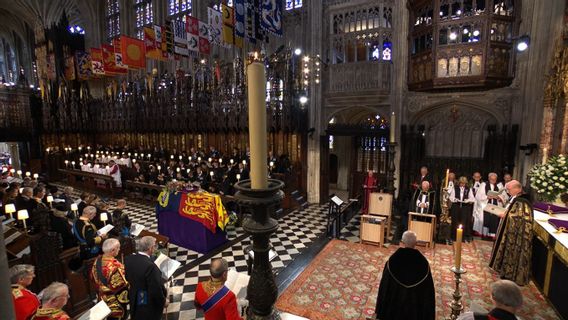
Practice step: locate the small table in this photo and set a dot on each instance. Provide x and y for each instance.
(424, 225)
(372, 229)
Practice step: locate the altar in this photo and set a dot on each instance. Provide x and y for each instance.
(550, 255)
(193, 220)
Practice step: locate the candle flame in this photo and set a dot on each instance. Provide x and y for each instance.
(460, 227)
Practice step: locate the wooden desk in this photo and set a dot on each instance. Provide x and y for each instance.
(372, 229)
(88, 180)
(424, 225)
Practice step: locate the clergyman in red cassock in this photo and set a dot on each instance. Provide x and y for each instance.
(369, 185)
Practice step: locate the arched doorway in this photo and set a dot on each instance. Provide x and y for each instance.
(359, 144)
(333, 169)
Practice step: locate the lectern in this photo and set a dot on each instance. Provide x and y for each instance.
(380, 204)
(424, 225)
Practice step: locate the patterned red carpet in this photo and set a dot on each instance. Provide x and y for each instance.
(342, 282)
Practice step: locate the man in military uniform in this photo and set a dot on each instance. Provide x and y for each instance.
(109, 277)
(213, 297)
(25, 301)
(86, 233)
(53, 299)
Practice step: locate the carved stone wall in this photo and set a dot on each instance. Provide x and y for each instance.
(455, 130)
(455, 125)
(554, 138)
(360, 76)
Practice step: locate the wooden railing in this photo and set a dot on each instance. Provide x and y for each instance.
(90, 181)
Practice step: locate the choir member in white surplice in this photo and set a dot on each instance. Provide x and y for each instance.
(475, 185)
(85, 166)
(486, 223)
(477, 182)
(114, 172)
(462, 200)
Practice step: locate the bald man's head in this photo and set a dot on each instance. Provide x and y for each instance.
(425, 185)
(219, 268)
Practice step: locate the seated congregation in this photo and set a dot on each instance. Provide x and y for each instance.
(118, 267)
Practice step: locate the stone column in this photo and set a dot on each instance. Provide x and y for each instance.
(315, 105)
(399, 86)
(538, 17)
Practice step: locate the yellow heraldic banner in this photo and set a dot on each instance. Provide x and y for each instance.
(205, 208)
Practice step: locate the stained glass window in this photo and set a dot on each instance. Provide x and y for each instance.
(113, 18)
(144, 16)
(293, 4)
(179, 8)
(387, 51)
(218, 6)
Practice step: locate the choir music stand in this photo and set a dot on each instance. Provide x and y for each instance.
(334, 217)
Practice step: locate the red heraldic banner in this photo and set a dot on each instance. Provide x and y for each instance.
(133, 52)
(152, 50)
(97, 61)
(204, 208)
(110, 61)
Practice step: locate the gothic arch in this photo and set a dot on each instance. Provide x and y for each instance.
(456, 128)
(354, 115)
(459, 103)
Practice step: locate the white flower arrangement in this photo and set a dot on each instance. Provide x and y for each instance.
(548, 179)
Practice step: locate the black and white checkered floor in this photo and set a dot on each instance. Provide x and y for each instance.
(297, 230)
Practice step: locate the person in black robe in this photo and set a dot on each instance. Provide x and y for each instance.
(461, 211)
(423, 200)
(147, 294)
(512, 251)
(406, 290)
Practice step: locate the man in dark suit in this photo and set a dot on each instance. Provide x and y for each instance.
(147, 295)
(423, 176)
(243, 171)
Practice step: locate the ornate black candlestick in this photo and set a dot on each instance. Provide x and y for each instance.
(456, 304)
(391, 168)
(262, 291)
(445, 219)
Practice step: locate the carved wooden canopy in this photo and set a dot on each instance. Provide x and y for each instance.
(462, 43)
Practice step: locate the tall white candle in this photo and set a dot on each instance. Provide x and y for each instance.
(256, 82)
(393, 128)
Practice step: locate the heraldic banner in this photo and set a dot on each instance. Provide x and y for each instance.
(203, 207)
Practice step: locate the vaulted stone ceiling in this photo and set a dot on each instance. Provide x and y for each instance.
(45, 12)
